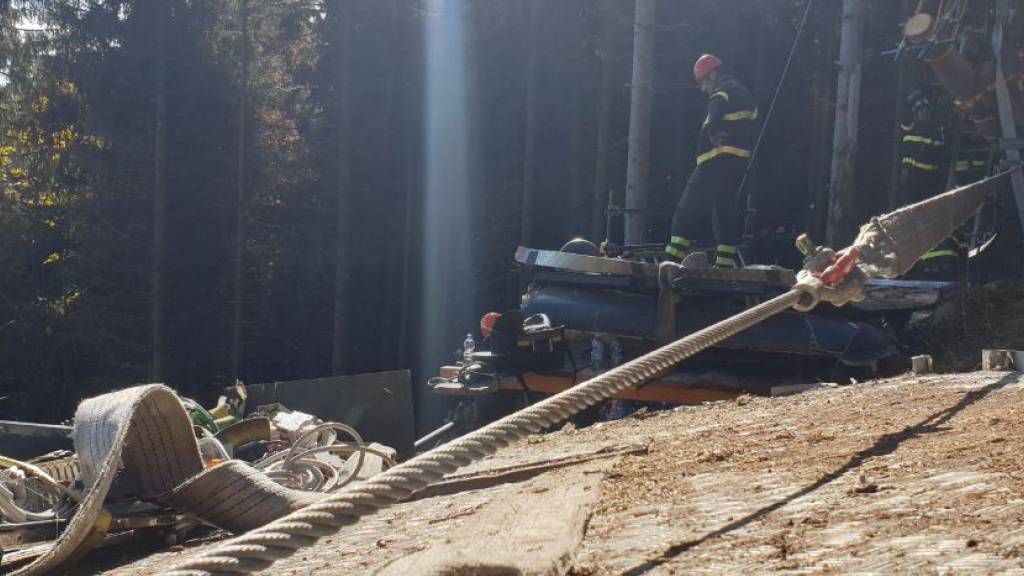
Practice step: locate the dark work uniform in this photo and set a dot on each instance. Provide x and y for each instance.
(709, 204)
(972, 163)
(924, 170)
(923, 155)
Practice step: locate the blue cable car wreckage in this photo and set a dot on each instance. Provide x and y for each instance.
(580, 314)
(594, 295)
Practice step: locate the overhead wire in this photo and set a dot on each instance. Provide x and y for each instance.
(768, 116)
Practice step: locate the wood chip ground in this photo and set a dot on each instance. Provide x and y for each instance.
(910, 475)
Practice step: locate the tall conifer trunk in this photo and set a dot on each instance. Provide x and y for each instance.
(342, 15)
(638, 168)
(157, 285)
(240, 195)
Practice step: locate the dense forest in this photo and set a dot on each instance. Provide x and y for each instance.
(201, 190)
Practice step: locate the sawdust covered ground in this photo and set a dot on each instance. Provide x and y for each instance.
(989, 316)
(901, 476)
(909, 475)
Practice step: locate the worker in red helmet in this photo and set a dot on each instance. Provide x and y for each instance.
(710, 200)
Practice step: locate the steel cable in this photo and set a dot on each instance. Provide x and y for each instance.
(259, 549)
(300, 469)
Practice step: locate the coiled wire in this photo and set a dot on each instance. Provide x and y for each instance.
(17, 472)
(298, 467)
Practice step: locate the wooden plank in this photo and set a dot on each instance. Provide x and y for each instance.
(521, 473)
(844, 142)
(791, 389)
(533, 529)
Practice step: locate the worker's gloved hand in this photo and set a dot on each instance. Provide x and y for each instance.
(609, 249)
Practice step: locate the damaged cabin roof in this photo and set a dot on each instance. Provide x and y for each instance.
(906, 475)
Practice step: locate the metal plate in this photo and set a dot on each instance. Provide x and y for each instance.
(584, 264)
(881, 295)
(24, 440)
(379, 406)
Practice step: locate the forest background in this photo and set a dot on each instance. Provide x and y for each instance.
(195, 191)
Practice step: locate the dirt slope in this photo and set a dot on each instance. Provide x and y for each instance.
(899, 476)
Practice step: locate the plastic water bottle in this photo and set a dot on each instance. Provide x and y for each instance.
(468, 347)
(596, 355)
(615, 351)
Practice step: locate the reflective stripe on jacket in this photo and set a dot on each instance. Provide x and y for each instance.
(731, 123)
(922, 147)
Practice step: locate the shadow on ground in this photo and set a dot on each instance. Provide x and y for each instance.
(885, 445)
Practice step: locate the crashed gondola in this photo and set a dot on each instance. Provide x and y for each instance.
(581, 313)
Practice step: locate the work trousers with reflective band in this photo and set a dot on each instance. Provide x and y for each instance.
(710, 209)
(939, 263)
(921, 184)
(970, 171)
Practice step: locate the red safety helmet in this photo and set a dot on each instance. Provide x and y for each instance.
(705, 65)
(487, 323)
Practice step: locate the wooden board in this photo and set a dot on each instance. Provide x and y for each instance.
(519, 473)
(533, 530)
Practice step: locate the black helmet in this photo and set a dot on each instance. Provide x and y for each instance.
(580, 246)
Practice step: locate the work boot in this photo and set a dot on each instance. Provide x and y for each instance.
(677, 248)
(696, 260)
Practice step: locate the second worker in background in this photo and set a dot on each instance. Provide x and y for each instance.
(923, 173)
(710, 205)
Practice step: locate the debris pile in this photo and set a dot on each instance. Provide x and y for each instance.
(986, 317)
(295, 449)
(36, 490)
(309, 454)
(40, 496)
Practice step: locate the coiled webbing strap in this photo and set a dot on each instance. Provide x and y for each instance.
(138, 444)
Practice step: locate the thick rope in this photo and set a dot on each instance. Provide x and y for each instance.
(260, 548)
